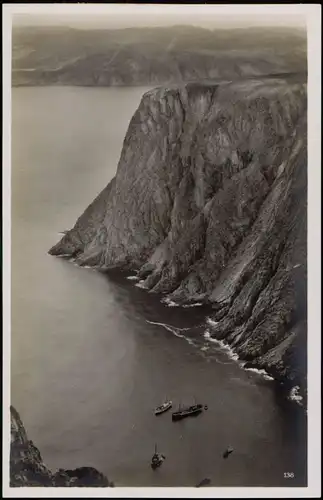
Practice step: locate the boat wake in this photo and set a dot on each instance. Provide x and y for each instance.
(175, 330)
(178, 333)
(168, 327)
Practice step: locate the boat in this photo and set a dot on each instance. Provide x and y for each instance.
(204, 482)
(227, 452)
(157, 459)
(164, 407)
(195, 409)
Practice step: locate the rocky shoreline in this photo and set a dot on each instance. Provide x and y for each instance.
(28, 469)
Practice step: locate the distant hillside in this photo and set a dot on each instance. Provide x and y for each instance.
(140, 56)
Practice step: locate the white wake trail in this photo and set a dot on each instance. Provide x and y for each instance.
(168, 327)
(173, 330)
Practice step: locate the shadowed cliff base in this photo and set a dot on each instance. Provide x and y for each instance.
(28, 469)
(209, 204)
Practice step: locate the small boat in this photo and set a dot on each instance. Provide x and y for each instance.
(227, 452)
(164, 407)
(157, 459)
(204, 482)
(195, 409)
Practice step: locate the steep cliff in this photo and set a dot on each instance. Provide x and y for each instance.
(28, 469)
(209, 203)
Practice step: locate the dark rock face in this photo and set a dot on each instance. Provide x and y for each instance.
(209, 203)
(28, 469)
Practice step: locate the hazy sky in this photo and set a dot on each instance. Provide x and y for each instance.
(123, 16)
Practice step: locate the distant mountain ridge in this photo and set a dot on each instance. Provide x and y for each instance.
(140, 56)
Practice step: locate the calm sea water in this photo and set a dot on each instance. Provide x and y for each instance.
(93, 355)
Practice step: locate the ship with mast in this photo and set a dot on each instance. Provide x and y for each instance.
(188, 411)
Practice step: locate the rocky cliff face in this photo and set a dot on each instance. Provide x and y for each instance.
(28, 469)
(209, 204)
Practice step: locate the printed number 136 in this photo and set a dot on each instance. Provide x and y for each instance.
(288, 475)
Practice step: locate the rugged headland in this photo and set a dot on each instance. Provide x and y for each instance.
(209, 204)
(28, 469)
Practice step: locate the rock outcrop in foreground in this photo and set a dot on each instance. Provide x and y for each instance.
(28, 469)
(209, 204)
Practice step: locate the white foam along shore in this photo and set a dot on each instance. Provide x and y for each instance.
(263, 373)
(141, 284)
(231, 352)
(221, 344)
(73, 261)
(207, 335)
(294, 395)
(171, 303)
(167, 301)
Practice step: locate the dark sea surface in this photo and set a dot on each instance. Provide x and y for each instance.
(92, 355)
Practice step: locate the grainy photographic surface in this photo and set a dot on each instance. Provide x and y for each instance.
(159, 250)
